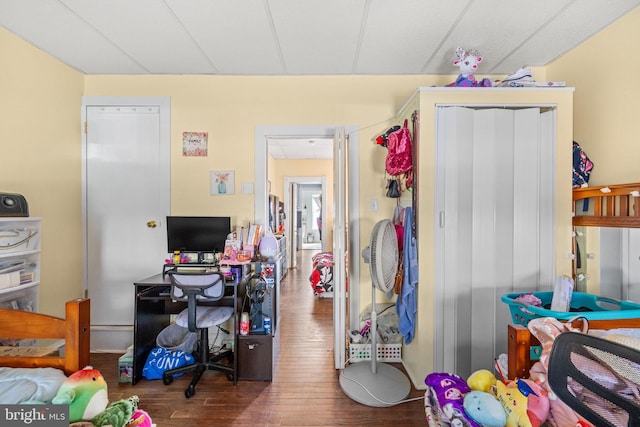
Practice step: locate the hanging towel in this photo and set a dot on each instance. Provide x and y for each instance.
(406, 302)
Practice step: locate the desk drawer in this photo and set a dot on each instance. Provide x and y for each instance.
(255, 357)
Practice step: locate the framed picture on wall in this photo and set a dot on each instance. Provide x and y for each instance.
(194, 144)
(222, 183)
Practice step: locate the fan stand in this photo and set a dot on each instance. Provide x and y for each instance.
(377, 384)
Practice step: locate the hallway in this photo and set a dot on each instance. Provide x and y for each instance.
(304, 391)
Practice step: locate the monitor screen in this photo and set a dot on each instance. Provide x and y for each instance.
(197, 233)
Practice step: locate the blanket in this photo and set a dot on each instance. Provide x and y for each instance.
(29, 385)
(322, 275)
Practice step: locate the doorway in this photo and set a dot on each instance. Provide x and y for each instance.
(351, 247)
(303, 226)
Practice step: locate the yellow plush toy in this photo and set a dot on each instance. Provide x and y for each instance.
(525, 403)
(482, 380)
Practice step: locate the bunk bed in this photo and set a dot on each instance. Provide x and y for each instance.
(604, 206)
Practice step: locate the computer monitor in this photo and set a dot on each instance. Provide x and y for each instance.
(201, 234)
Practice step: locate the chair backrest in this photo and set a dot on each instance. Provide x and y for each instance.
(207, 286)
(194, 287)
(597, 378)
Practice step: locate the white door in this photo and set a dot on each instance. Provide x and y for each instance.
(126, 201)
(340, 244)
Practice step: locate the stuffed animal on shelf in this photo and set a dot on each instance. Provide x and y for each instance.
(85, 391)
(468, 62)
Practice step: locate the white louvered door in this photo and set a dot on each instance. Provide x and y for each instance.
(494, 225)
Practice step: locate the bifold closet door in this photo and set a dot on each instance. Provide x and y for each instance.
(494, 226)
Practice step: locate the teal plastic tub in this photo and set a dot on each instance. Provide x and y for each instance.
(589, 306)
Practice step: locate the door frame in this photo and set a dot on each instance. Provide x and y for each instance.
(289, 207)
(261, 135)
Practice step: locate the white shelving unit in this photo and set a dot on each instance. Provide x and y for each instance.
(19, 262)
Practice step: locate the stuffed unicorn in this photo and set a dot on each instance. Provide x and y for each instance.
(468, 62)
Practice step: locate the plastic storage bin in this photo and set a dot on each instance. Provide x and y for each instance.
(386, 352)
(589, 306)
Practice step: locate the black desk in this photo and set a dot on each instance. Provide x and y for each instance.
(153, 313)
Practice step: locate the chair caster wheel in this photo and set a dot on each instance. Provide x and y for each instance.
(230, 377)
(189, 392)
(167, 379)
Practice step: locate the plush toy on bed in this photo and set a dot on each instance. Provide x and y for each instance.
(468, 62)
(85, 391)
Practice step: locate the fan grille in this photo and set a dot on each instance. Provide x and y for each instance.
(384, 255)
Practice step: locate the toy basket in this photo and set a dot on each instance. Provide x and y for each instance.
(591, 307)
(386, 352)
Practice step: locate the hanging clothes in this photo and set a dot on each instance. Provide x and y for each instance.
(406, 302)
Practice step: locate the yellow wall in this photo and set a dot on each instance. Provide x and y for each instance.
(40, 101)
(606, 99)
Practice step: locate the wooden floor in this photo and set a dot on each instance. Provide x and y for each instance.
(305, 389)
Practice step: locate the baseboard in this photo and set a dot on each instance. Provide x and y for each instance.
(111, 338)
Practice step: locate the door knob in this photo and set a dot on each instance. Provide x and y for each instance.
(152, 224)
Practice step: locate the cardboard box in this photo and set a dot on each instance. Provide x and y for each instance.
(125, 367)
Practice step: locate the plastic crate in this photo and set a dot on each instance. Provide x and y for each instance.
(386, 352)
(589, 306)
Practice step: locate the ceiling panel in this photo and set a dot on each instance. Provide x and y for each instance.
(317, 38)
(303, 148)
(236, 36)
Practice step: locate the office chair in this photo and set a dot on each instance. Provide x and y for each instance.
(598, 378)
(193, 288)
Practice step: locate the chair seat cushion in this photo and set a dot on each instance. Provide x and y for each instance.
(206, 317)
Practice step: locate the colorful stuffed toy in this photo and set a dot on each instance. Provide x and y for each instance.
(468, 62)
(85, 391)
(482, 380)
(524, 401)
(484, 409)
(117, 414)
(444, 400)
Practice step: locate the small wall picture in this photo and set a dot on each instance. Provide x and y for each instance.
(194, 144)
(222, 183)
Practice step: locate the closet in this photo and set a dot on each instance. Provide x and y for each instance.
(493, 215)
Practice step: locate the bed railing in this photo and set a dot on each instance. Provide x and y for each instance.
(607, 206)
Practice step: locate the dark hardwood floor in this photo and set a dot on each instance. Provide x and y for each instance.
(305, 389)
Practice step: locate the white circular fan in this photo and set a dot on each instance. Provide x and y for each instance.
(380, 384)
(383, 255)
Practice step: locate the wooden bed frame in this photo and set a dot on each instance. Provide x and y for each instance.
(609, 206)
(73, 329)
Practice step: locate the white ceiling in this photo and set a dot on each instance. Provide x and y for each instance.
(305, 37)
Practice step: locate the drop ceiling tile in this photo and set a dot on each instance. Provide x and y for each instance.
(317, 38)
(236, 36)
